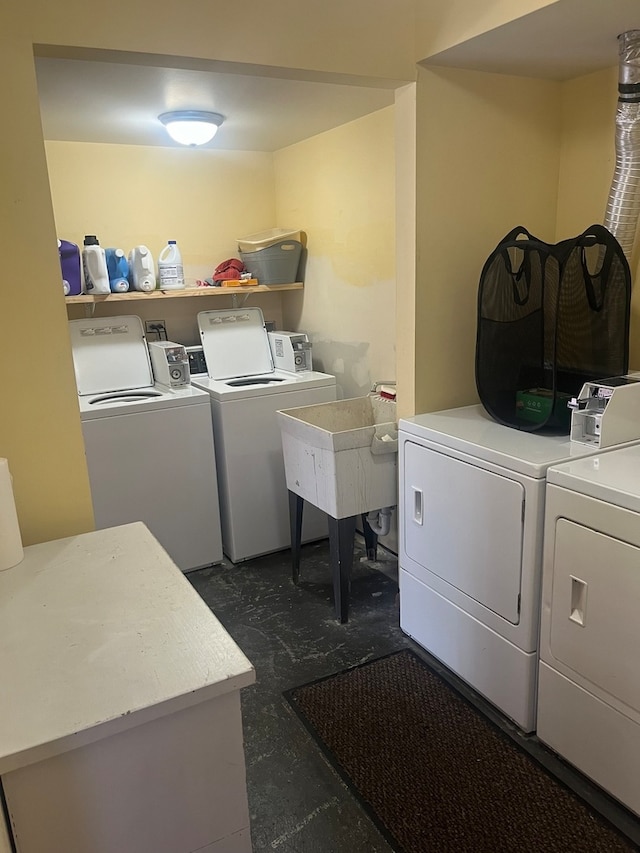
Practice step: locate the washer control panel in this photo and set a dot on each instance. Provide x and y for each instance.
(170, 363)
(197, 362)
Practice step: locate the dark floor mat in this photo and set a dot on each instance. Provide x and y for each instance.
(435, 775)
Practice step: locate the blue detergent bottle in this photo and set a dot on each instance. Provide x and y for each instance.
(118, 270)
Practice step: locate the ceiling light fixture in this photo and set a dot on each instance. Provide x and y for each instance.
(191, 127)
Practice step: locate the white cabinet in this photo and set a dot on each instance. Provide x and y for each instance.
(121, 721)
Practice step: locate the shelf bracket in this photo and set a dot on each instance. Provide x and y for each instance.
(238, 299)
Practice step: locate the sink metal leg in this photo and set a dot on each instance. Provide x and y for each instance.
(296, 506)
(370, 539)
(341, 540)
(341, 537)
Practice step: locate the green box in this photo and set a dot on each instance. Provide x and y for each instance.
(535, 405)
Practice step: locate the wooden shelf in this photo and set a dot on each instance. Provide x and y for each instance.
(176, 294)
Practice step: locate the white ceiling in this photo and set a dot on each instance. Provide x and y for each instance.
(559, 42)
(84, 100)
(100, 96)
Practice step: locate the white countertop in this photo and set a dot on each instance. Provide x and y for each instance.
(99, 633)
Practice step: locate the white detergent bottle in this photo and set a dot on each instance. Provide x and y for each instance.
(170, 270)
(142, 273)
(94, 265)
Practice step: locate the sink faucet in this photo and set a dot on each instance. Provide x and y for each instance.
(377, 385)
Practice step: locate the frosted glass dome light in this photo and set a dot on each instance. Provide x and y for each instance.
(191, 127)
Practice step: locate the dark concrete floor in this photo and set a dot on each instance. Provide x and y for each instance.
(290, 634)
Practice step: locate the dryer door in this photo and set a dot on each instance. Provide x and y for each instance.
(464, 524)
(594, 609)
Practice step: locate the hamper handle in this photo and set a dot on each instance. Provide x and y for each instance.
(598, 234)
(512, 241)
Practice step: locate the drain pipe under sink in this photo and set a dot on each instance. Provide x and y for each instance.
(379, 520)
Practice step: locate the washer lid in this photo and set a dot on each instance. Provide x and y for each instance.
(110, 354)
(235, 343)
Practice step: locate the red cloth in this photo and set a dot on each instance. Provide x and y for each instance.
(228, 270)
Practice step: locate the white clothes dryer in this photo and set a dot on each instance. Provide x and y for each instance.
(149, 448)
(589, 684)
(245, 392)
(471, 524)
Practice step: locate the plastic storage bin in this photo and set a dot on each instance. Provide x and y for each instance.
(277, 264)
(264, 239)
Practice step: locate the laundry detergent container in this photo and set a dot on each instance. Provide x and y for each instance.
(342, 457)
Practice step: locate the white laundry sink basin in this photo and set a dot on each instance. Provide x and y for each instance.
(342, 457)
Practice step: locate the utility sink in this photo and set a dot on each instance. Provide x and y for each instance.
(342, 457)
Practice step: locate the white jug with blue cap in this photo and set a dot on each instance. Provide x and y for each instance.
(170, 269)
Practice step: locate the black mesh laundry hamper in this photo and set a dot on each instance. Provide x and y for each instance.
(550, 317)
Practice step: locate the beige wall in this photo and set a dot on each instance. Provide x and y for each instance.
(487, 160)
(587, 156)
(39, 425)
(473, 129)
(340, 188)
(40, 433)
(207, 199)
(371, 38)
(587, 167)
(518, 152)
(406, 191)
(131, 194)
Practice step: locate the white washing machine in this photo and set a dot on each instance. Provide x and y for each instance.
(149, 448)
(246, 391)
(472, 497)
(589, 684)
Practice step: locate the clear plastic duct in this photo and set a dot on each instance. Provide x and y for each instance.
(623, 205)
